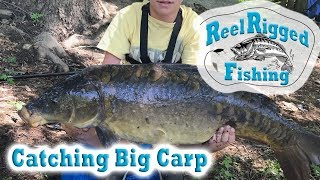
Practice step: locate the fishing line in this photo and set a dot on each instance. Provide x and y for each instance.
(41, 75)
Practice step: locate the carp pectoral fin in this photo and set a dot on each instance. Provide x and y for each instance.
(295, 158)
(160, 136)
(106, 136)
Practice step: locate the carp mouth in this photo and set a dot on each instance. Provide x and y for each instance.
(32, 119)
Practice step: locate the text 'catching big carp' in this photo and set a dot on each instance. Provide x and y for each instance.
(158, 103)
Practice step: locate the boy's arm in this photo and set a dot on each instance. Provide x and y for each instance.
(116, 39)
(110, 59)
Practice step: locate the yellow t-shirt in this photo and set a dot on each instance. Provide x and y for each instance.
(123, 36)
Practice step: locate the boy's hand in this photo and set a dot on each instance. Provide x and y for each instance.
(221, 139)
(86, 136)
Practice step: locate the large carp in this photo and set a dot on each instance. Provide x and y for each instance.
(160, 103)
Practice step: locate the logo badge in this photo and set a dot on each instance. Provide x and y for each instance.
(257, 46)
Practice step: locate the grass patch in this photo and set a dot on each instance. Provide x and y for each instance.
(6, 73)
(6, 178)
(273, 170)
(11, 60)
(236, 167)
(6, 78)
(315, 171)
(228, 167)
(36, 17)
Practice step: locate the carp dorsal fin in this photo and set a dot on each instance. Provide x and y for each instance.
(259, 35)
(106, 136)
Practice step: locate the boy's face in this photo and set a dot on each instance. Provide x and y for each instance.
(165, 7)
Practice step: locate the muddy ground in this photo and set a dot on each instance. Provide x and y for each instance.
(242, 160)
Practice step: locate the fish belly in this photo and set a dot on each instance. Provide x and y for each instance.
(174, 123)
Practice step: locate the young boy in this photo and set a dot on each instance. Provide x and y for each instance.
(159, 31)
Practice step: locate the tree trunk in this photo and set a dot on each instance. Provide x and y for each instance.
(72, 23)
(83, 20)
(66, 17)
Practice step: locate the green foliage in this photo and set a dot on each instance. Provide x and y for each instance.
(233, 167)
(315, 171)
(6, 178)
(17, 104)
(36, 17)
(11, 72)
(11, 60)
(225, 168)
(273, 170)
(225, 171)
(5, 77)
(6, 73)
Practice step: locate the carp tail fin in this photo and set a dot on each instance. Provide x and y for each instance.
(295, 159)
